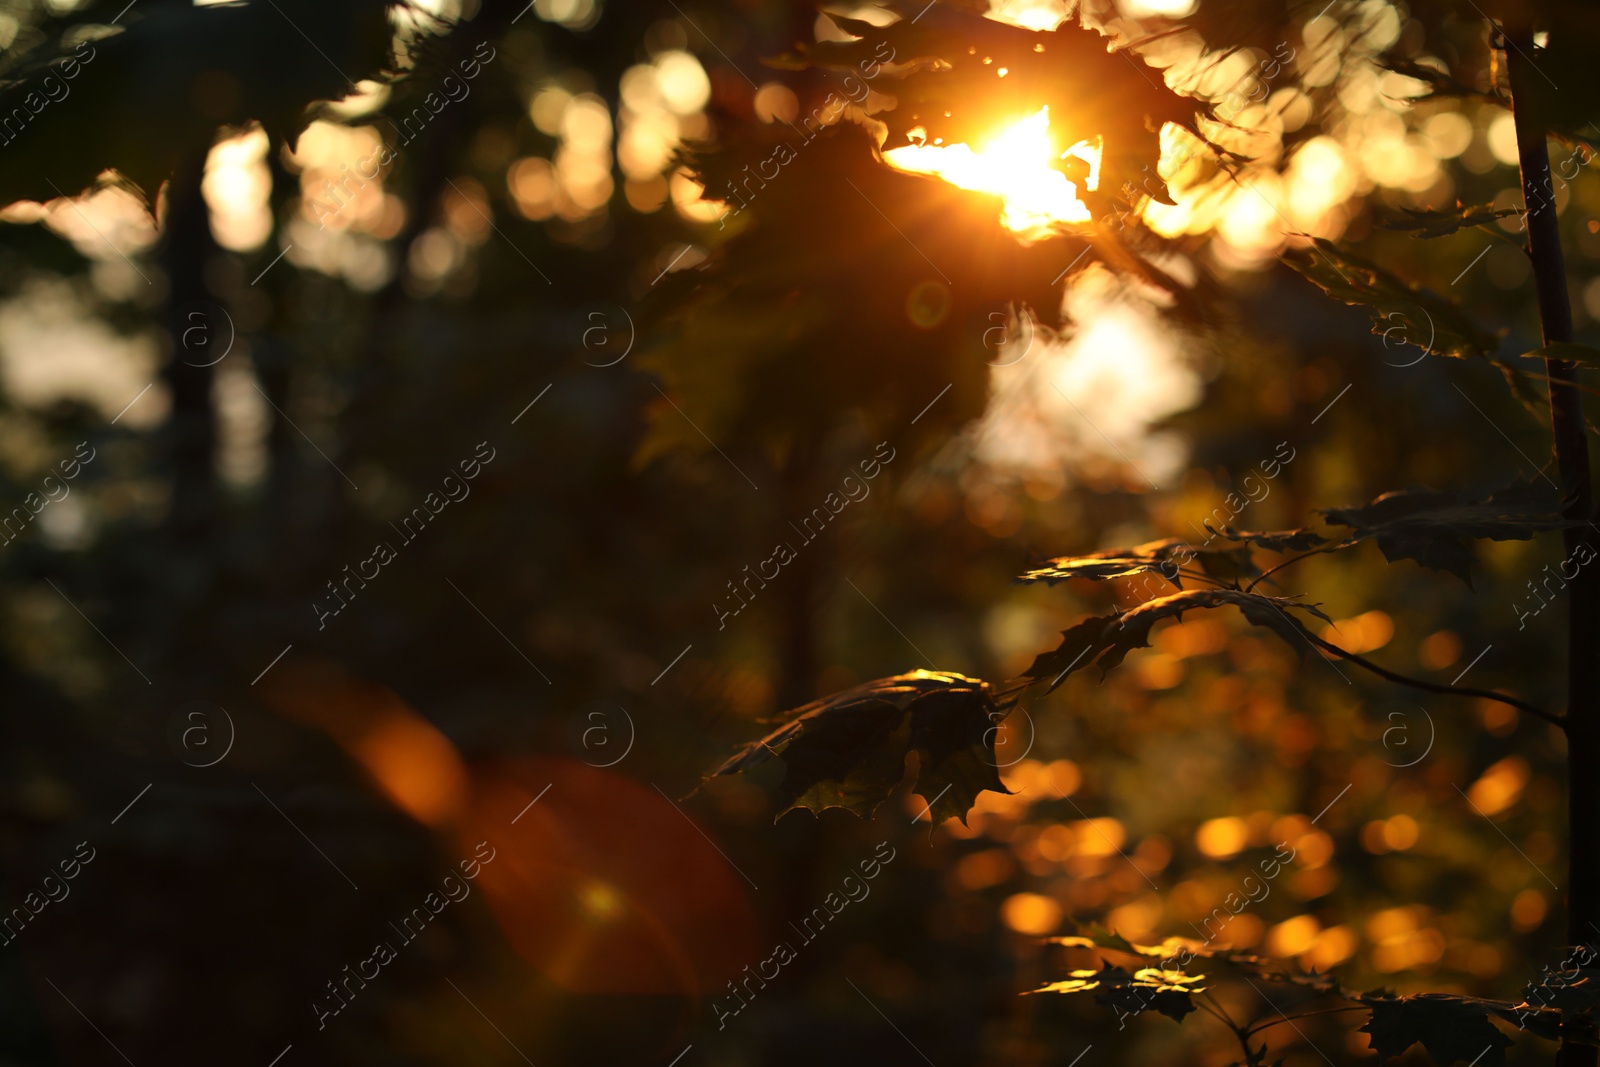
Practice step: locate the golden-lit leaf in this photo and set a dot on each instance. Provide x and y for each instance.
(1165, 558)
(1168, 992)
(849, 750)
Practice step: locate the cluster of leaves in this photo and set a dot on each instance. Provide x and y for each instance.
(839, 269)
(949, 85)
(849, 750)
(1130, 992)
(1449, 1027)
(1429, 527)
(750, 345)
(1408, 315)
(94, 84)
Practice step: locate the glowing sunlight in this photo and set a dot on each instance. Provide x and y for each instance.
(1020, 164)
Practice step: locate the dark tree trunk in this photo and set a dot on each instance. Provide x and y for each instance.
(1572, 463)
(192, 426)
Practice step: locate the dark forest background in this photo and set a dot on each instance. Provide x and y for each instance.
(268, 788)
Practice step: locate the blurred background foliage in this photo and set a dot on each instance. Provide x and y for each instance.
(352, 247)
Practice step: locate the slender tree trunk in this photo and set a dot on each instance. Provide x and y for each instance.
(192, 427)
(1572, 463)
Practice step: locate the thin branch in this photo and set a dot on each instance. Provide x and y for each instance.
(1431, 687)
(1011, 690)
(1215, 1010)
(1304, 1015)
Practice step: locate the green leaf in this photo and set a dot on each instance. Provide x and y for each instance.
(849, 750)
(1401, 314)
(1433, 528)
(1451, 1028)
(1106, 639)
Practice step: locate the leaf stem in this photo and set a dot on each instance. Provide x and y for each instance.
(1221, 1013)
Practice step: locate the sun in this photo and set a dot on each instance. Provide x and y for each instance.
(1019, 164)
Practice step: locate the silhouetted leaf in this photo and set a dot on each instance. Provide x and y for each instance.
(1276, 540)
(849, 750)
(841, 269)
(1098, 936)
(1439, 83)
(1573, 986)
(1400, 313)
(1451, 1028)
(1433, 528)
(1106, 639)
(157, 87)
(954, 71)
(1443, 223)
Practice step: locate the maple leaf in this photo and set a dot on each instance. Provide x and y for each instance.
(1450, 1028)
(1433, 528)
(1106, 640)
(1129, 993)
(1400, 313)
(1165, 558)
(849, 750)
(953, 70)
